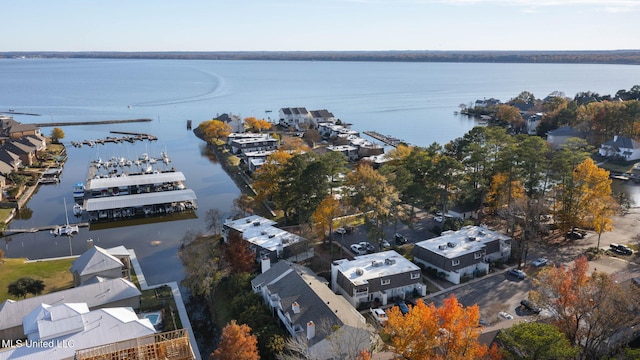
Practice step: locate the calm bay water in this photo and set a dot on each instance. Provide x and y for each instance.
(411, 101)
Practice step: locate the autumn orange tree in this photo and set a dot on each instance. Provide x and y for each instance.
(587, 186)
(214, 129)
(448, 332)
(591, 310)
(238, 255)
(323, 217)
(256, 125)
(236, 343)
(267, 176)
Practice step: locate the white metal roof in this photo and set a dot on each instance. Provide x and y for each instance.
(131, 180)
(124, 201)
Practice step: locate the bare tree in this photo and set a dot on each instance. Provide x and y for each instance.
(213, 219)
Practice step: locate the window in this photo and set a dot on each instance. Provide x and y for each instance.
(455, 262)
(415, 276)
(477, 256)
(385, 282)
(362, 290)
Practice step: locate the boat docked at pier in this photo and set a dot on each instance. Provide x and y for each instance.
(116, 196)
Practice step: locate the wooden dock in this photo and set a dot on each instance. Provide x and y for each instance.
(129, 137)
(389, 140)
(8, 232)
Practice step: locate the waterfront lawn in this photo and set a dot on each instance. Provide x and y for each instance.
(161, 299)
(54, 273)
(4, 216)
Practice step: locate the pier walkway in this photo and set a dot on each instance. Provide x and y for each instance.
(7, 232)
(389, 140)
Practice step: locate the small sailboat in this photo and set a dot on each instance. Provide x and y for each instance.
(65, 229)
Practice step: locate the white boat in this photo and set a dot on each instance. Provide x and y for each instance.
(78, 190)
(77, 209)
(66, 229)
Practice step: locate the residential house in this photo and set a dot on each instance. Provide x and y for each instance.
(60, 331)
(379, 277)
(298, 118)
(463, 253)
(308, 308)
(485, 103)
(27, 153)
(624, 147)
(100, 262)
(19, 130)
(255, 159)
(320, 116)
(9, 162)
(266, 240)
(234, 121)
(532, 123)
(39, 142)
(251, 144)
(350, 152)
(331, 130)
(99, 294)
(559, 136)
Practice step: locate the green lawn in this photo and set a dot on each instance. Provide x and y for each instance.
(4, 215)
(161, 299)
(54, 273)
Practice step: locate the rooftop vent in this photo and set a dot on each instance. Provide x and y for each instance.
(359, 271)
(248, 220)
(471, 238)
(389, 261)
(376, 263)
(451, 245)
(271, 236)
(256, 223)
(263, 232)
(442, 246)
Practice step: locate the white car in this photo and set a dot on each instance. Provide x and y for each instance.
(341, 231)
(539, 262)
(438, 218)
(380, 315)
(357, 249)
(506, 315)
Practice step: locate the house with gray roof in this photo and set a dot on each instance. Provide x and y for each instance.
(9, 162)
(100, 262)
(318, 116)
(108, 293)
(309, 309)
(624, 147)
(26, 152)
(463, 253)
(234, 121)
(297, 117)
(379, 277)
(60, 331)
(556, 138)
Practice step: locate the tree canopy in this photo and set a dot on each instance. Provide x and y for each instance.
(236, 343)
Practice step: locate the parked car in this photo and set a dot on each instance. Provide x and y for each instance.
(439, 218)
(574, 235)
(357, 249)
(539, 262)
(519, 274)
(530, 306)
(400, 239)
(404, 309)
(380, 315)
(341, 231)
(620, 249)
(505, 315)
(385, 244)
(367, 246)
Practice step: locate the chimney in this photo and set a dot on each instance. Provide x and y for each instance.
(295, 307)
(89, 243)
(311, 330)
(265, 263)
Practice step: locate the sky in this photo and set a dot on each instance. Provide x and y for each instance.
(318, 25)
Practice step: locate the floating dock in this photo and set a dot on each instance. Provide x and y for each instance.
(8, 232)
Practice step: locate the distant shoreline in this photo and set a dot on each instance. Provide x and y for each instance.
(620, 57)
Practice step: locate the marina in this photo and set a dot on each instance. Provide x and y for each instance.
(110, 194)
(129, 137)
